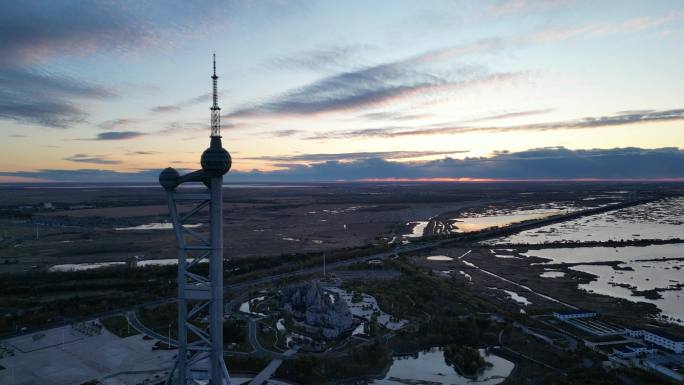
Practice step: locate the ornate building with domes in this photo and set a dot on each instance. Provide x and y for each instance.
(318, 309)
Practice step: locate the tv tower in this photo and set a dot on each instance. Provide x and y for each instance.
(199, 294)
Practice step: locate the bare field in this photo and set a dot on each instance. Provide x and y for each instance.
(58, 224)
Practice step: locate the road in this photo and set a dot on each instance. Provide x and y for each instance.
(132, 318)
(270, 369)
(259, 350)
(402, 249)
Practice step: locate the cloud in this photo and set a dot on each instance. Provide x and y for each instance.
(43, 98)
(283, 133)
(620, 119)
(545, 163)
(397, 116)
(320, 58)
(87, 175)
(118, 135)
(35, 33)
(456, 51)
(353, 91)
(117, 123)
(204, 98)
(510, 7)
(556, 163)
(354, 156)
(96, 159)
(372, 86)
(163, 109)
(185, 127)
(509, 115)
(602, 29)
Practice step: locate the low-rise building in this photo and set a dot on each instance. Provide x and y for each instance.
(573, 314)
(633, 350)
(634, 333)
(665, 340)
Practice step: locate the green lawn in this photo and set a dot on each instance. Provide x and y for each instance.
(118, 325)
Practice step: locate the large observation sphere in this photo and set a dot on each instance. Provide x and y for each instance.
(168, 178)
(216, 160)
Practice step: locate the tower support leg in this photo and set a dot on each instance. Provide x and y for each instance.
(216, 275)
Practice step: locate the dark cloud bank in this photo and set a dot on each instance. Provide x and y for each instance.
(379, 84)
(620, 119)
(544, 163)
(32, 33)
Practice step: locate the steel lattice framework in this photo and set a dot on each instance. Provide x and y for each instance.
(215, 109)
(200, 296)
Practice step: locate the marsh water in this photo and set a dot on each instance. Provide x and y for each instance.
(429, 367)
(655, 220)
(468, 224)
(640, 268)
(155, 226)
(98, 265)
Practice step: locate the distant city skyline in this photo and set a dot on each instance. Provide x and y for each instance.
(316, 91)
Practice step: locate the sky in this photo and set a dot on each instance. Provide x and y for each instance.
(343, 90)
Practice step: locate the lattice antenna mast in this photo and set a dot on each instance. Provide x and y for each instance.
(215, 109)
(200, 296)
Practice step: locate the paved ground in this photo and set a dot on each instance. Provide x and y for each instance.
(271, 368)
(114, 360)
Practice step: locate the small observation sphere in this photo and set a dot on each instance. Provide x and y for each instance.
(216, 160)
(168, 178)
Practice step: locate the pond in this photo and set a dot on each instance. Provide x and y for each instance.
(98, 265)
(552, 274)
(417, 229)
(429, 367)
(82, 266)
(155, 226)
(517, 297)
(439, 258)
(249, 307)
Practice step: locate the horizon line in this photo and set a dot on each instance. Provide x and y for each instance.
(24, 181)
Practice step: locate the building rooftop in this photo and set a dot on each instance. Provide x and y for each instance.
(572, 312)
(665, 334)
(634, 346)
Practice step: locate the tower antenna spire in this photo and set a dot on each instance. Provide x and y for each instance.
(215, 109)
(200, 296)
